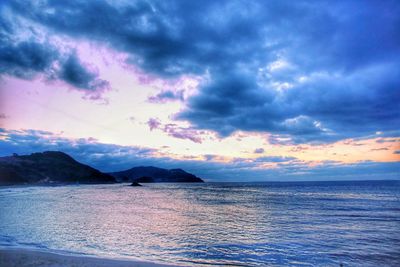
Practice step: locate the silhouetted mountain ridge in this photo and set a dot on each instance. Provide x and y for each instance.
(48, 167)
(151, 174)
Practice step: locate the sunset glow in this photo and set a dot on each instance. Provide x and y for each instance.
(155, 91)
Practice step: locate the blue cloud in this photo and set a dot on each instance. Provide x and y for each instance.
(304, 71)
(31, 56)
(259, 150)
(73, 72)
(275, 159)
(25, 59)
(167, 95)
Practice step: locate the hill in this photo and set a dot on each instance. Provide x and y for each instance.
(49, 167)
(152, 174)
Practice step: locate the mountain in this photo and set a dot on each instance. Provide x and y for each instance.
(155, 175)
(48, 168)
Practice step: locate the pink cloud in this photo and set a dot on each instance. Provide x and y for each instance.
(176, 131)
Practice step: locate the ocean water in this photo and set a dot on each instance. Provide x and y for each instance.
(211, 224)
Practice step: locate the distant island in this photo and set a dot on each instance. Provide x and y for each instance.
(55, 167)
(152, 174)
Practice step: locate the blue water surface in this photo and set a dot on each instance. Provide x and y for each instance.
(225, 224)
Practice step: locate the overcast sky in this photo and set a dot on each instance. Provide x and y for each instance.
(229, 90)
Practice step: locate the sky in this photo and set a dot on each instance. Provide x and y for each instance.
(228, 90)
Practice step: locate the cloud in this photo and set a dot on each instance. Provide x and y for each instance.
(29, 57)
(396, 152)
(387, 141)
(26, 59)
(175, 130)
(110, 157)
(183, 133)
(380, 149)
(325, 109)
(259, 150)
(76, 74)
(153, 123)
(275, 159)
(303, 72)
(167, 95)
(163, 38)
(209, 157)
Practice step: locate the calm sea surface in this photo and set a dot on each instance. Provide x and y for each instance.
(237, 224)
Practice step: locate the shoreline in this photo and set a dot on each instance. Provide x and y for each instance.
(24, 257)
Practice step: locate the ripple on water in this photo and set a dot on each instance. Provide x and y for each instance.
(248, 224)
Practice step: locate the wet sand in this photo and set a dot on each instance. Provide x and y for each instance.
(17, 257)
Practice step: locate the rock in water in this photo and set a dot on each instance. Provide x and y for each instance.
(135, 184)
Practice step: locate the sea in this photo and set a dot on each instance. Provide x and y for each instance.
(210, 224)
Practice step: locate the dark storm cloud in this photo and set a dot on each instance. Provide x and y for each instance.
(27, 58)
(322, 108)
(74, 73)
(167, 38)
(303, 71)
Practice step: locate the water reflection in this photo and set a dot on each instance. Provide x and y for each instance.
(210, 224)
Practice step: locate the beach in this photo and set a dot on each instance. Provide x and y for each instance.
(18, 257)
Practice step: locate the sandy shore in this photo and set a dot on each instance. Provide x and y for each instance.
(23, 258)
